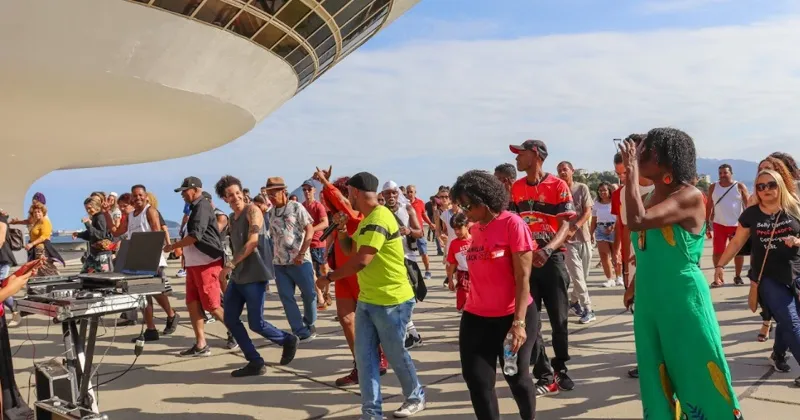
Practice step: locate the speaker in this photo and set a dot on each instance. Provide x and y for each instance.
(53, 380)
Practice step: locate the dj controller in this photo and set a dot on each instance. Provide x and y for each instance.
(64, 388)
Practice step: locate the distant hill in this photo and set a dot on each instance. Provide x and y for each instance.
(172, 225)
(743, 170)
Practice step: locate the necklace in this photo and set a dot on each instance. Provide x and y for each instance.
(282, 213)
(483, 226)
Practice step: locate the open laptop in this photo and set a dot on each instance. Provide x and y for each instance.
(137, 258)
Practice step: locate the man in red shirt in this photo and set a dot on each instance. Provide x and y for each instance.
(319, 215)
(422, 216)
(545, 203)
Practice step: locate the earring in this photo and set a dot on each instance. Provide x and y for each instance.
(667, 179)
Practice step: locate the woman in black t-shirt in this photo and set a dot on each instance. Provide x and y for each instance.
(773, 229)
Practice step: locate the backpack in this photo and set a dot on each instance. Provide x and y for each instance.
(15, 239)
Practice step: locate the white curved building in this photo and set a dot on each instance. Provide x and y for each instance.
(158, 79)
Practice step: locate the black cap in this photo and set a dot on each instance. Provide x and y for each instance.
(537, 146)
(189, 183)
(363, 181)
(206, 195)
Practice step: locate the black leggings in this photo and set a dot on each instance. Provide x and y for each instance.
(480, 343)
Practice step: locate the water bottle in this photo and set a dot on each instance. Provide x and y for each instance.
(509, 357)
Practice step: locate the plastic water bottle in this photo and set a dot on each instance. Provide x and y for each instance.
(509, 357)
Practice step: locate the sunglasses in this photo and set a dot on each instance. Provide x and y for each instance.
(764, 186)
(466, 207)
(306, 189)
(443, 197)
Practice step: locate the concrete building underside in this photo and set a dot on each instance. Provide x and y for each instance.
(158, 79)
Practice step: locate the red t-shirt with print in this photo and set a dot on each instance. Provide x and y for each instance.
(541, 205)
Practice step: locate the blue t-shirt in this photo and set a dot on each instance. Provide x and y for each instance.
(187, 209)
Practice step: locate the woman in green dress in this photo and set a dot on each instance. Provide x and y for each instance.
(682, 368)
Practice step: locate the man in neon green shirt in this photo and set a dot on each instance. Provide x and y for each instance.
(385, 302)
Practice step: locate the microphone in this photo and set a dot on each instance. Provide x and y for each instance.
(327, 232)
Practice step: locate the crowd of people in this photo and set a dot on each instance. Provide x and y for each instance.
(511, 247)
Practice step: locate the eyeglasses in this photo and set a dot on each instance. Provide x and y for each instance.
(466, 207)
(764, 186)
(274, 193)
(443, 197)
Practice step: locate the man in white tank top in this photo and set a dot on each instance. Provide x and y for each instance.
(409, 227)
(727, 201)
(144, 218)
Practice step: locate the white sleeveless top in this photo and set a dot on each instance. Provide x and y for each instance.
(140, 224)
(728, 210)
(402, 214)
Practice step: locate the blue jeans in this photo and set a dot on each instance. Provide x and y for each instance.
(252, 295)
(287, 277)
(385, 325)
(782, 304)
(5, 269)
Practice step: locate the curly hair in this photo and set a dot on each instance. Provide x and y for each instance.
(481, 187)
(507, 170)
(225, 182)
(341, 184)
(37, 206)
(790, 163)
(151, 198)
(601, 185)
(458, 220)
(783, 171)
(673, 149)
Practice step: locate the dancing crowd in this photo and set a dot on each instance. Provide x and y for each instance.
(511, 248)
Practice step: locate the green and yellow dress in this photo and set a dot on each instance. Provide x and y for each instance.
(682, 369)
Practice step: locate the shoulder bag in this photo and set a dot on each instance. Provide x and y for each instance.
(752, 298)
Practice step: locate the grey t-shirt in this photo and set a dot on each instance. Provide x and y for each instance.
(254, 269)
(582, 199)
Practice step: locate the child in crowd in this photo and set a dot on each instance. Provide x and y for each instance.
(457, 259)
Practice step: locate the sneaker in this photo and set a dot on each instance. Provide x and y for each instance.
(408, 409)
(312, 335)
(543, 389)
(738, 280)
(797, 382)
(181, 273)
(588, 316)
(779, 363)
(349, 379)
(196, 352)
(250, 369)
(576, 309)
(634, 373)
(15, 320)
(428, 275)
(564, 381)
(620, 282)
(172, 324)
(412, 341)
(149, 335)
(610, 283)
(384, 365)
(208, 318)
(231, 342)
(289, 349)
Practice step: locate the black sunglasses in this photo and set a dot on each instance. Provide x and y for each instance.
(764, 186)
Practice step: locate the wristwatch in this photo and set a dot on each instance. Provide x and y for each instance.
(548, 251)
(519, 323)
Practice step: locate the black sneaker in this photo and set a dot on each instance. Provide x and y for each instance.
(289, 349)
(231, 343)
(779, 363)
(172, 324)
(149, 335)
(196, 352)
(250, 369)
(797, 382)
(634, 373)
(412, 341)
(564, 381)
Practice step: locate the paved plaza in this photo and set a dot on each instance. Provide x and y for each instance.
(164, 386)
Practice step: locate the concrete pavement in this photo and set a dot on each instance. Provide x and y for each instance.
(163, 386)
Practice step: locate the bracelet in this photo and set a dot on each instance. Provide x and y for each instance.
(719, 266)
(518, 323)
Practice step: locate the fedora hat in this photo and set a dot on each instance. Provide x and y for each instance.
(275, 183)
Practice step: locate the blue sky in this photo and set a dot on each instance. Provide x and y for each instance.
(451, 83)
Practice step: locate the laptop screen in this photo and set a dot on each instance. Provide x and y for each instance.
(122, 255)
(144, 253)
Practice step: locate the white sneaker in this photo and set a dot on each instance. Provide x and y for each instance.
(610, 283)
(620, 282)
(181, 273)
(409, 409)
(15, 320)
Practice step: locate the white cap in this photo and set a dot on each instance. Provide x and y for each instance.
(390, 185)
(113, 194)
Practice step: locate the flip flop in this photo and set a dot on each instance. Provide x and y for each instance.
(717, 284)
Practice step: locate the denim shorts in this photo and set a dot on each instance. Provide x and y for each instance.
(422, 246)
(318, 258)
(600, 234)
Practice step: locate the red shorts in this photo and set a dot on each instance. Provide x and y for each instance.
(202, 284)
(721, 236)
(347, 288)
(462, 288)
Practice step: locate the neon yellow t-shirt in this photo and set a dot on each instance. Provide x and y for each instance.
(384, 281)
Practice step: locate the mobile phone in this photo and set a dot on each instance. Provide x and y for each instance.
(617, 143)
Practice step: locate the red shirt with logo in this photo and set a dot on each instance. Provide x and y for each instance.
(541, 205)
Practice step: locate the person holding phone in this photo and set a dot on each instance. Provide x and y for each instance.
(499, 303)
(682, 366)
(9, 287)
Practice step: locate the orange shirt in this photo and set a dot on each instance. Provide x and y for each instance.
(541, 205)
(341, 204)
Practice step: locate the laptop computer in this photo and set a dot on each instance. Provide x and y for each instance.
(137, 258)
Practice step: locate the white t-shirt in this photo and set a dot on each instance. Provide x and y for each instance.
(602, 213)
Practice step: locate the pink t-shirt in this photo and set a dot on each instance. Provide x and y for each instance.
(317, 212)
(491, 270)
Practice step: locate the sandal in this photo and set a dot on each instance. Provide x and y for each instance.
(738, 281)
(715, 284)
(764, 337)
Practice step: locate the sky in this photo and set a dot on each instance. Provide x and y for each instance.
(450, 84)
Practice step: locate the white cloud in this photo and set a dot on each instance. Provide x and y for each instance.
(675, 6)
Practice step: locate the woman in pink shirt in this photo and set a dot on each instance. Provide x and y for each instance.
(499, 301)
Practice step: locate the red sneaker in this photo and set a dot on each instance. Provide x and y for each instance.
(350, 379)
(384, 364)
